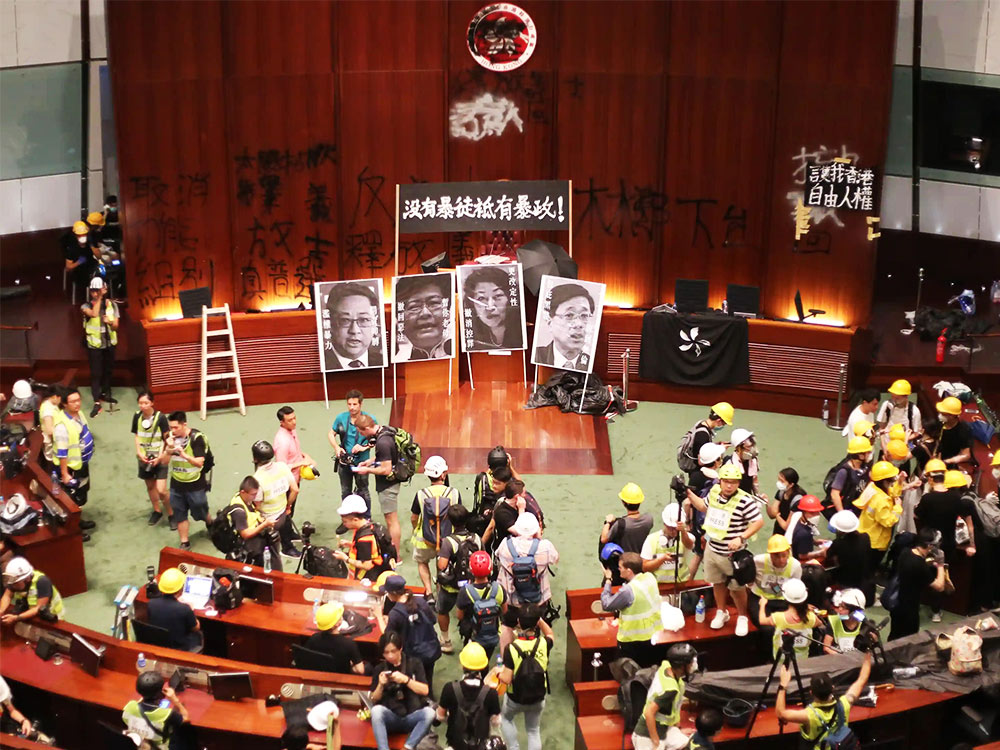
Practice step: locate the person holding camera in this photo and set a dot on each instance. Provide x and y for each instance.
(257, 532)
(158, 715)
(774, 569)
(666, 553)
(188, 483)
(921, 566)
(798, 620)
(844, 624)
(27, 592)
(638, 605)
(351, 448)
(151, 431)
(399, 691)
(658, 727)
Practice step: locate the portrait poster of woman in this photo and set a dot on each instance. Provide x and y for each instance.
(491, 306)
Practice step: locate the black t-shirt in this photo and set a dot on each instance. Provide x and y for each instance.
(238, 518)
(504, 516)
(176, 618)
(955, 440)
(397, 697)
(802, 540)
(940, 510)
(162, 425)
(470, 692)
(785, 505)
(385, 446)
(850, 553)
(698, 481)
(343, 649)
(631, 531)
(915, 574)
(72, 250)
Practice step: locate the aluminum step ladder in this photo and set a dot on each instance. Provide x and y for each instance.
(207, 356)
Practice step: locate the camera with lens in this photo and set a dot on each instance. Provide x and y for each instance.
(867, 638)
(306, 531)
(679, 486)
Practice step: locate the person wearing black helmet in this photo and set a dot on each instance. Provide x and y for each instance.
(278, 488)
(658, 727)
(157, 715)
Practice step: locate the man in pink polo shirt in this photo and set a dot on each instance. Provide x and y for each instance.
(286, 443)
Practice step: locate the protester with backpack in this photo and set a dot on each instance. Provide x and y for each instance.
(689, 450)
(364, 558)
(525, 670)
(412, 617)
(454, 569)
(190, 463)
(524, 561)
(844, 482)
(428, 516)
(245, 520)
(471, 707)
(515, 502)
(823, 723)
(658, 726)
(399, 691)
(279, 489)
(628, 531)
(481, 603)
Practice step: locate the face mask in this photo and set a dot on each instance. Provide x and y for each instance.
(82, 239)
(781, 486)
(996, 473)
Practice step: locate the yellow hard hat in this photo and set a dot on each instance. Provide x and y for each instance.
(883, 470)
(730, 471)
(862, 427)
(329, 615)
(897, 432)
(859, 444)
(900, 388)
(950, 405)
(897, 450)
(95, 219)
(956, 478)
(724, 411)
(935, 466)
(80, 227)
(996, 459)
(306, 472)
(171, 581)
(778, 543)
(473, 657)
(632, 494)
(380, 581)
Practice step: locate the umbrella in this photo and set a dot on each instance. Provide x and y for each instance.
(539, 259)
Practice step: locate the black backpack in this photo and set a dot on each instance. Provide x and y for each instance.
(206, 468)
(319, 561)
(470, 725)
(632, 692)
(851, 490)
(531, 683)
(224, 535)
(458, 563)
(386, 549)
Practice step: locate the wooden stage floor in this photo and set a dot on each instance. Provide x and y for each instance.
(464, 427)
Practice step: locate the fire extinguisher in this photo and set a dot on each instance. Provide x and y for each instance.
(942, 341)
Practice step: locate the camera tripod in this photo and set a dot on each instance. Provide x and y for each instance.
(786, 655)
(307, 546)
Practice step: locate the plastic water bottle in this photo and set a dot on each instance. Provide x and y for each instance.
(140, 664)
(315, 607)
(826, 411)
(699, 610)
(55, 484)
(267, 559)
(904, 673)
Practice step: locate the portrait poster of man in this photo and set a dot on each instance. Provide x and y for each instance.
(566, 326)
(349, 324)
(491, 306)
(423, 325)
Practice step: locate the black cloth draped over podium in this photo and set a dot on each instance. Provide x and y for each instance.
(705, 349)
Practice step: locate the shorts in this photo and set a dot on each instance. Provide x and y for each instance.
(183, 501)
(160, 471)
(719, 568)
(389, 498)
(445, 601)
(424, 554)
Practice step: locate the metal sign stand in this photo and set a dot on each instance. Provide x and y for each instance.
(382, 369)
(524, 368)
(841, 383)
(583, 395)
(472, 382)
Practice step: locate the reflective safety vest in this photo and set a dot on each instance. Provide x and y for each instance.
(31, 595)
(146, 429)
(804, 629)
(274, 483)
(769, 578)
(526, 646)
(95, 328)
(641, 619)
(820, 715)
(81, 442)
(842, 637)
(132, 715)
(665, 683)
(181, 470)
(660, 545)
(719, 513)
(254, 518)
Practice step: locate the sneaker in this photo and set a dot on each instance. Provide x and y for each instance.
(720, 619)
(87, 525)
(85, 537)
(96, 410)
(742, 626)
(291, 552)
(173, 523)
(935, 617)
(185, 545)
(447, 647)
(154, 518)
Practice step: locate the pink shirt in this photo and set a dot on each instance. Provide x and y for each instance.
(287, 449)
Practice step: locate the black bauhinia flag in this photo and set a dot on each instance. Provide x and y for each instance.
(709, 350)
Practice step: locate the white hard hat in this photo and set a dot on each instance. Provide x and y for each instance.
(850, 598)
(18, 569)
(844, 521)
(670, 515)
(739, 435)
(709, 453)
(97, 283)
(794, 591)
(319, 715)
(22, 389)
(435, 466)
(352, 505)
(526, 525)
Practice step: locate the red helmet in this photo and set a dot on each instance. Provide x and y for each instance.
(480, 564)
(810, 504)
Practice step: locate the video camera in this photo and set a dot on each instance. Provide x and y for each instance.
(351, 459)
(306, 531)
(680, 488)
(869, 635)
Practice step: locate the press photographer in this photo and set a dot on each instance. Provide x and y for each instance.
(919, 567)
(258, 533)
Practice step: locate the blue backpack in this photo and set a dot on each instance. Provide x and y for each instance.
(486, 613)
(525, 572)
(837, 735)
(421, 639)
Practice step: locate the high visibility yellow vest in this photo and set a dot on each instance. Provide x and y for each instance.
(673, 546)
(665, 683)
(155, 735)
(48, 409)
(720, 512)
(150, 438)
(640, 620)
(804, 630)
(181, 470)
(771, 578)
(94, 327)
(274, 483)
(31, 594)
(819, 716)
(842, 637)
(74, 429)
(254, 518)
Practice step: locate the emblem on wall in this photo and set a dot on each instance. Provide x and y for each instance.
(502, 37)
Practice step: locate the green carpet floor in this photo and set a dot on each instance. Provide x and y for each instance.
(643, 446)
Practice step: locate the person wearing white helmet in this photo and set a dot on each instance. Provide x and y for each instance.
(798, 618)
(27, 592)
(100, 327)
(429, 518)
(745, 456)
(362, 557)
(844, 622)
(849, 554)
(666, 552)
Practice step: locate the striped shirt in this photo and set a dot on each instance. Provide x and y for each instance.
(744, 512)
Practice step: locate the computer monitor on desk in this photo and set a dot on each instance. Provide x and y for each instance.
(86, 655)
(317, 661)
(231, 686)
(261, 590)
(691, 295)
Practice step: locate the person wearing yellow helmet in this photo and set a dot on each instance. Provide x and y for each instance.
(628, 531)
(720, 415)
(898, 409)
(472, 699)
(78, 250)
(341, 648)
(174, 616)
(732, 518)
(774, 567)
(867, 400)
(956, 436)
(880, 509)
(847, 478)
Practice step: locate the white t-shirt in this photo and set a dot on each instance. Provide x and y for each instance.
(4, 691)
(856, 416)
(889, 414)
